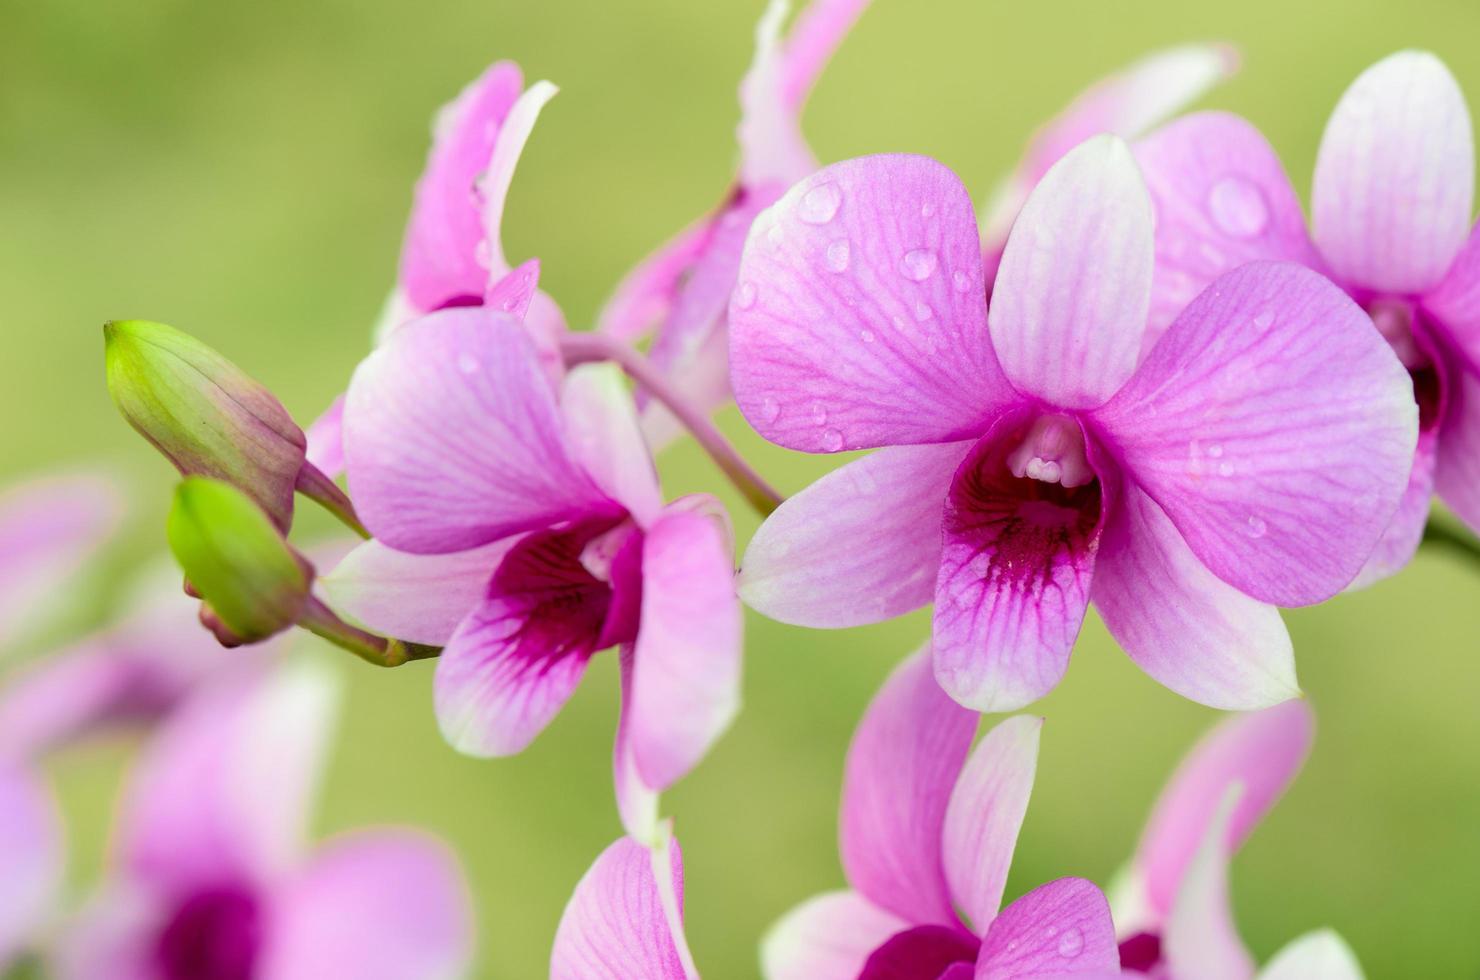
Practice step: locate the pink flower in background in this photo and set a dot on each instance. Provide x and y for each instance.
(1036, 460)
(1394, 183)
(210, 878)
(30, 859)
(618, 924)
(526, 534)
(926, 831)
(685, 286)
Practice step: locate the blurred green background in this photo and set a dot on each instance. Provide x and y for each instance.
(243, 171)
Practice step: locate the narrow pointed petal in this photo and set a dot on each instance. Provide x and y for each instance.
(1395, 176)
(984, 816)
(1061, 929)
(1457, 473)
(686, 682)
(493, 187)
(421, 598)
(859, 319)
(1070, 300)
(902, 765)
(646, 294)
(453, 439)
(326, 440)
(31, 856)
(321, 920)
(827, 937)
(637, 802)
(1396, 547)
(1222, 199)
(1200, 938)
(513, 292)
(605, 439)
(614, 927)
(1180, 623)
(1320, 955)
(860, 545)
(1454, 304)
(772, 149)
(1280, 473)
(815, 35)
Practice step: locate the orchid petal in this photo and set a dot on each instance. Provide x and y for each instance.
(1180, 623)
(421, 598)
(493, 186)
(326, 440)
(1280, 473)
(602, 431)
(851, 287)
(453, 439)
(815, 35)
(1399, 542)
(1395, 176)
(647, 293)
(771, 145)
(902, 765)
(614, 927)
(1069, 304)
(31, 856)
(321, 918)
(1454, 305)
(923, 952)
(860, 545)
(827, 937)
(513, 292)
(1319, 955)
(115, 935)
(1457, 473)
(637, 802)
(1061, 929)
(1200, 939)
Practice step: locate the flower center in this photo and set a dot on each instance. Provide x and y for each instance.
(1052, 452)
(1141, 952)
(214, 934)
(1401, 326)
(921, 953)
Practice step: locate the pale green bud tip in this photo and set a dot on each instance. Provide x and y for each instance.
(236, 559)
(206, 415)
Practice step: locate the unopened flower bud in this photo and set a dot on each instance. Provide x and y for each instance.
(204, 413)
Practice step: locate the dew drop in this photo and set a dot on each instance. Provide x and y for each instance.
(961, 281)
(819, 414)
(1238, 207)
(1263, 321)
(1225, 469)
(1071, 944)
(838, 254)
(770, 409)
(820, 204)
(832, 440)
(927, 210)
(1215, 450)
(745, 295)
(467, 364)
(923, 312)
(867, 336)
(1256, 527)
(917, 264)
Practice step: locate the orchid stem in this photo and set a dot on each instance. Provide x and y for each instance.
(321, 621)
(583, 348)
(1441, 534)
(314, 484)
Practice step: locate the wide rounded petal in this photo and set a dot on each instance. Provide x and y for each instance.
(686, 673)
(1395, 176)
(1061, 929)
(902, 766)
(453, 438)
(421, 598)
(827, 937)
(1180, 623)
(1201, 939)
(1222, 199)
(1069, 303)
(605, 438)
(860, 545)
(859, 319)
(614, 927)
(1280, 471)
(329, 919)
(30, 856)
(1319, 955)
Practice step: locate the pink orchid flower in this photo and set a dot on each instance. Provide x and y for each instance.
(1394, 183)
(30, 859)
(526, 534)
(210, 879)
(1035, 459)
(453, 252)
(926, 831)
(620, 924)
(685, 286)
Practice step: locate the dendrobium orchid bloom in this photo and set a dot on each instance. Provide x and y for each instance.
(1034, 459)
(526, 534)
(1394, 184)
(210, 880)
(30, 858)
(685, 286)
(926, 831)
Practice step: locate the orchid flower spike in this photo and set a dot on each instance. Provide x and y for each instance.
(925, 832)
(621, 922)
(525, 533)
(1394, 184)
(453, 253)
(684, 288)
(1035, 459)
(210, 877)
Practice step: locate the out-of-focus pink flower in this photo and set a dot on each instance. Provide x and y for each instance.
(620, 924)
(1394, 183)
(1171, 906)
(210, 878)
(1035, 460)
(684, 288)
(927, 836)
(525, 534)
(30, 858)
(1127, 104)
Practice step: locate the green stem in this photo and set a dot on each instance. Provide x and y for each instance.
(321, 621)
(316, 486)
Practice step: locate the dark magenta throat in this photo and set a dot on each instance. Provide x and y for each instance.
(214, 934)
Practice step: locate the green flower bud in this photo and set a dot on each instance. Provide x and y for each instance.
(236, 560)
(204, 413)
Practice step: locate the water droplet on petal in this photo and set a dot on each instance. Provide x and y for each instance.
(961, 281)
(819, 413)
(820, 204)
(927, 209)
(1238, 207)
(1225, 469)
(1215, 450)
(1263, 321)
(1071, 944)
(770, 409)
(832, 440)
(917, 264)
(745, 295)
(867, 336)
(838, 254)
(467, 364)
(1256, 527)
(923, 312)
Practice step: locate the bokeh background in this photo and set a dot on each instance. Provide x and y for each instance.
(243, 171)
